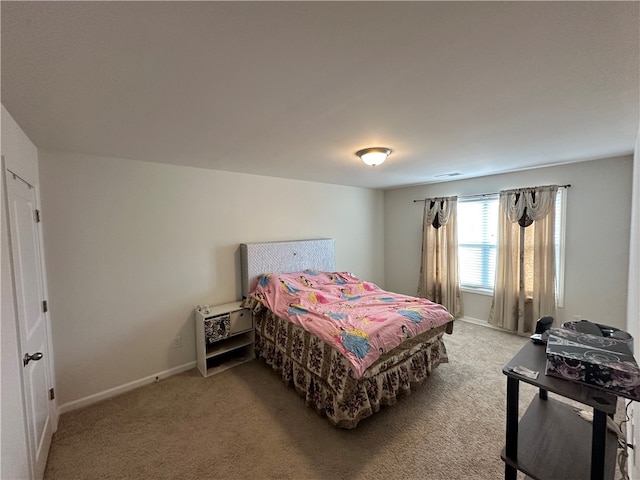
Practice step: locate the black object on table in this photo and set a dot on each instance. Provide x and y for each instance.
(551, 441)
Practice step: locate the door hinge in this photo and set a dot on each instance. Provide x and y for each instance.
(52, 394)
(45, 306)
(37, 214)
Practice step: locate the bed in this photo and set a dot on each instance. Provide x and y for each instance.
(345, 345)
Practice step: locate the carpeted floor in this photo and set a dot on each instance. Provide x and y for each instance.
(244, 423)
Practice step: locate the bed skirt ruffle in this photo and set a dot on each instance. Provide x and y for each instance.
(324, 378)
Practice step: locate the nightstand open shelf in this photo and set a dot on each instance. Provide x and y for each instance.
(231, 343)
(549, 434)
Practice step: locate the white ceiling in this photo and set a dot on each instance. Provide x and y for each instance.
(293, 89)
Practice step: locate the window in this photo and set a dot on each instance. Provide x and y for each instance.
(559, 231)
(477, 242)
(477, 239)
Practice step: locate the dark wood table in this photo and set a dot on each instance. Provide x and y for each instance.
(551, 441)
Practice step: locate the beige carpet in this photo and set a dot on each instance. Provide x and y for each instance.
(245, 423)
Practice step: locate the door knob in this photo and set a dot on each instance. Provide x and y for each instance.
(35, 357)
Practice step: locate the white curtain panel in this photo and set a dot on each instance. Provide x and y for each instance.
(439, 281)
(524, 288)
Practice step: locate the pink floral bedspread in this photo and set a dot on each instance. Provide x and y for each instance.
(356, 317)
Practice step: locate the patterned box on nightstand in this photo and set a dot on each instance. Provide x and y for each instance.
(602, 362)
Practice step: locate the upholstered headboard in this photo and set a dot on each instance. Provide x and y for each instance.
(284, 257)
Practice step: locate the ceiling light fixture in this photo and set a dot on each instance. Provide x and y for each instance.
(373, 156)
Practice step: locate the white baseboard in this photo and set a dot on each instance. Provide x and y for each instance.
(478, 321)
(473, 320)
(112, 392)
(484, 323)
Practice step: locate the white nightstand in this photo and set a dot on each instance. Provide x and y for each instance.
(224, 337)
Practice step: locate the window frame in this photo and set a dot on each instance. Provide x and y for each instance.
(561, 234)
(477, 199)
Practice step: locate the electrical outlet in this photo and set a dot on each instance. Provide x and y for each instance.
(177, 342)
(577, 318)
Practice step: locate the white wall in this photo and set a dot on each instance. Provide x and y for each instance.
(597, 235)
(21, 157)
(133, 246)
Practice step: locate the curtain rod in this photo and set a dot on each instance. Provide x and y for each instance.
(487, 194)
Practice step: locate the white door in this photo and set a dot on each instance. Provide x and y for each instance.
(29, 282)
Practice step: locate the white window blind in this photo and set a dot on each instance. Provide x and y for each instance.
(561, 209)
(477, 237)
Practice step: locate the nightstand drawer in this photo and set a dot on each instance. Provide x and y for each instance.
(241, 320)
